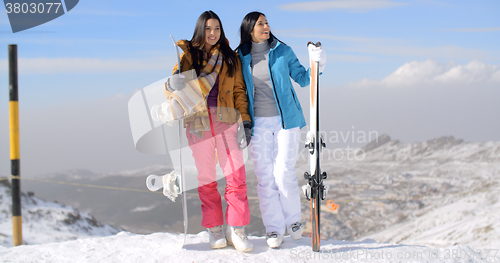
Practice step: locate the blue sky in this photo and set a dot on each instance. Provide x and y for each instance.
(414, 69)
(123, 45)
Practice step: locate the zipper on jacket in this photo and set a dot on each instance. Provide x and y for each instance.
(274, 89)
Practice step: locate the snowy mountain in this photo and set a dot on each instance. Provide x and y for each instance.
(471, 220)
(465, 208)
(45, 222)
(437, 193)
(165, 247)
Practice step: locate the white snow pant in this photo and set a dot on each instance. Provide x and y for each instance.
(274, 151)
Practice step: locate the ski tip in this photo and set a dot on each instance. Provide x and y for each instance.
(317, 44)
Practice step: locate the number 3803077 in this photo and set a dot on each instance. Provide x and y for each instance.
(32, 8)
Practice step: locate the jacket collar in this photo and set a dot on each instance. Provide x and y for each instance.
(183, 44)
(245, 48)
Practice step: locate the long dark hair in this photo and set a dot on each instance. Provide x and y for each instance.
(197, 44)
(247, 26)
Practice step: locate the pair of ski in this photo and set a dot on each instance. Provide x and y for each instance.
(173, 184)
(315, 191)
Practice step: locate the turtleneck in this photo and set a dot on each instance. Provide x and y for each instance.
(260, 47)
(264, 102)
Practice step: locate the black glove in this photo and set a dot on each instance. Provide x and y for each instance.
(176, 82)
(244, 132)
(248, 131)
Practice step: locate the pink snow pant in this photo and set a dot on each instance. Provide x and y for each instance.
(232, 164)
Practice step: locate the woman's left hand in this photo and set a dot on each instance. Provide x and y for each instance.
(244, 132)
(317, 54)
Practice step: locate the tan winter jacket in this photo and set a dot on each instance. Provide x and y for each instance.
(232, 90)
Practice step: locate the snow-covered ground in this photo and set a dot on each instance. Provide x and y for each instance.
(165, 247)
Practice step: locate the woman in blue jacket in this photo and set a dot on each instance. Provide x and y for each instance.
(277, 118)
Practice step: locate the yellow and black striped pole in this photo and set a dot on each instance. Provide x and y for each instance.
(17, 222)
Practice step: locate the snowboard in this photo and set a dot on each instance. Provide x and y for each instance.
(153, 133)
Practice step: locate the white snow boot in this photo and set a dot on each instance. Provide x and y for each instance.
(295, 230)
(237, 237)
(274, 239)
(216, 237)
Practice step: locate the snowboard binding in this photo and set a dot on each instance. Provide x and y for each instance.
(170, 183)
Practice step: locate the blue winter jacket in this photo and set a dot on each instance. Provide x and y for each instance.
(283, 64)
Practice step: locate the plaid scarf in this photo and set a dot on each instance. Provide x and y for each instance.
(191, 101)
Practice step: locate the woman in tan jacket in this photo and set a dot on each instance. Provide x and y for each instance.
(225, 109)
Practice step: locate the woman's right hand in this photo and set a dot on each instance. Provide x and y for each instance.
(176, 82)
